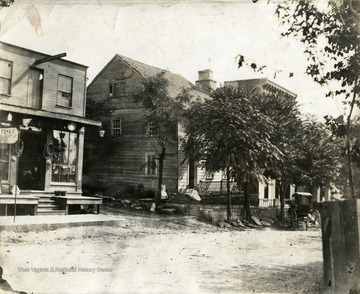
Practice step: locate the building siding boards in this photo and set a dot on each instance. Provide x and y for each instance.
(46, 117)
(121, 161)
(124, 156)
(22, 59)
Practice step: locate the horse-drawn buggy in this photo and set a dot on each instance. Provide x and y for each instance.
(301, 212)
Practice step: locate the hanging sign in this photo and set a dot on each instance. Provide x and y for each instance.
(9, 135)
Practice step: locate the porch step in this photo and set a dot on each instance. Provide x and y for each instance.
(51, 212)
(46, 200)
(48, 206)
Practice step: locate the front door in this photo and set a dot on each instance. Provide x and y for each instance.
(35, 88)
(31, 175)
(192, 173)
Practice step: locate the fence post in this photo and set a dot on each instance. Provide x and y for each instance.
(340, 225)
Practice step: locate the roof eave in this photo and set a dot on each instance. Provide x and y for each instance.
(49, 114)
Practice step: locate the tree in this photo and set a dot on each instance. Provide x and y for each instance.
(320, 154)
(339, 131)
(97, 109)
(284, 113)
(6, 3)
(164, 113)
(228, 133)
(332, 32)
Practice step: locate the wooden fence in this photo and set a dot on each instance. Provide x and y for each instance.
(341, 251)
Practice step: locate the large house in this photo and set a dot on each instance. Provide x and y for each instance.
(263, 85)
(128, 145)
(120, 160)
(42, 116)
(268, 193)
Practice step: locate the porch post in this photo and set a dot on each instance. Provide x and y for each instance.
(80, 159)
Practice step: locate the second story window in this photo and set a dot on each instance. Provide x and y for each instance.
(5, 77)
(64, 93)
(116, 127)
(117, 89)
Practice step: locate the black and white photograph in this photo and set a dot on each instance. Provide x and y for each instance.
(190, 146)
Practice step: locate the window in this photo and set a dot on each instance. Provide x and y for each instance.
(5, 77)
(150, 165)
(117, 89)
(151, 129)
(4, 161)
(209, 175)
(116, 127)
(64, 160)
(64, 93)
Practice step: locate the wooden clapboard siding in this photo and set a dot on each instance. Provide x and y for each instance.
(123, 163)
(22, 59)
(30, 98)
(119, 159)
(116, 70)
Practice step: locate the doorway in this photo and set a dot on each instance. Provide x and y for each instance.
(35, 88)
(32, 163)
(192, 173)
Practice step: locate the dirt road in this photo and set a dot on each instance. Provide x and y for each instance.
(162, 255)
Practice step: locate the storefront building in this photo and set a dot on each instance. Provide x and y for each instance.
(42, 117)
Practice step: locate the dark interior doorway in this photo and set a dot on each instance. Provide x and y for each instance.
(192, 173)
(32, 163)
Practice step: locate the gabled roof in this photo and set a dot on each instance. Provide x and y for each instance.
(176, 81)
(251, 84)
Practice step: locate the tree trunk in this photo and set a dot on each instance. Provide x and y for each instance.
(348, 153)
(247, 201)
(282, 187)
(228, 194)
(160, 179)
(282, 202)
(348, 147)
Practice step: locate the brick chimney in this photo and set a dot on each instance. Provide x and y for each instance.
(205, 81)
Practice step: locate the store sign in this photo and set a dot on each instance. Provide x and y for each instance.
(9, 135)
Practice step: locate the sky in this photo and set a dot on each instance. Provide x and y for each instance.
(182, 37)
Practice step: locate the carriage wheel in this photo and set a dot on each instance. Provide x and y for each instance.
(292, 218)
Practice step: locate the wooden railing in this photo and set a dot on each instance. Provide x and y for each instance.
(263, 202)
(217, 187)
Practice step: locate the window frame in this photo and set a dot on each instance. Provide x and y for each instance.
(119, 92)
(59, 166)
(149, 171)
(151, 129)
(9, 79)
(61, 91)
(209, 176)
(116, 131)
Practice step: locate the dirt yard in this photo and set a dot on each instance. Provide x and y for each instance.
(162, 254)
